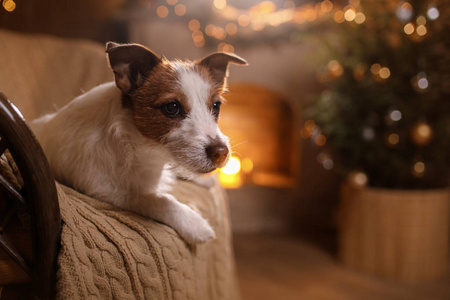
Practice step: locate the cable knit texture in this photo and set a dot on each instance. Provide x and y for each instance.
(108, 253)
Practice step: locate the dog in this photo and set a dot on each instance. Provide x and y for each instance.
(124, 142)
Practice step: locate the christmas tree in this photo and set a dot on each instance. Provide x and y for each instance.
(384, 113)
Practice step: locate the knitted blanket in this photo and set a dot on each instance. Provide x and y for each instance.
(107, 253)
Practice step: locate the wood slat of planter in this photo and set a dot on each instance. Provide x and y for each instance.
(395, 233)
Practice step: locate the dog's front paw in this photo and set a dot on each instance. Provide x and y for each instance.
(195, 229)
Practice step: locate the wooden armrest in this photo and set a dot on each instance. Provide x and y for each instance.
(40, 197)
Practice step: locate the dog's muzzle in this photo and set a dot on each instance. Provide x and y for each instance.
(217, 153)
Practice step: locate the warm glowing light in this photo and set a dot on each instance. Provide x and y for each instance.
(421, 20)
(339, 17)
(220, 4)
(9, 5)
(393, 139)
(350, 14)
(210, 30)
(299, 17)
(228, 48)
(423, 130)
(263, 8)
(375, 69)
(220, 33)
(229, 176)
(247, 165)
(409, 28)
(231, 28)
(320, 140)
(197, 36)
(225, 47)
(200, 43)
(335, 68)
(326, 6)
(421, 30)
(172, 2)
(360, 18)
(180, 10)
(233, 166)
(404, 11)
(162, 11)
(244, 20)
(419, 168)
(194, 25)
(358, 178)
(384, 73)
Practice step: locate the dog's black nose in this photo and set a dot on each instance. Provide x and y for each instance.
(217, 153)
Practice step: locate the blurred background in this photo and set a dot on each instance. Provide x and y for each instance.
(338, 187)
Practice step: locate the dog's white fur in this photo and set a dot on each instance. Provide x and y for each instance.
(93, 145)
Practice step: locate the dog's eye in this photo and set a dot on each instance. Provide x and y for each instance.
(172, 109)
(216, 108)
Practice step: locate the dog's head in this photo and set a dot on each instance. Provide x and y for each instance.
(175, 103)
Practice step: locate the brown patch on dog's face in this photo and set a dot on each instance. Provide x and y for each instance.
(159, 89)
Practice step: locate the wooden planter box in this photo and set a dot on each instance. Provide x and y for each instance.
(399, 234)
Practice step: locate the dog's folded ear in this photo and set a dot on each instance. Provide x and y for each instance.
(217, 63)
(131, 63)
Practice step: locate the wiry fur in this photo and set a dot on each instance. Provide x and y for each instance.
(115, 144)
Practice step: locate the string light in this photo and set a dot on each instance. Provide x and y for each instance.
(393, 139)
(326, 6)
(339, 17)
(421, 30)
(162, 11)
(180, 10)
(9, 5)
(360, 18)
(409, 28)
(421, 20)
(375, 69)
(244, 20)
(395, 115)
(194, 25)
(384, 73)
(358, 178)
(220, 4)
(320, 140)
(325, 160)
(350, 14)
(231, 28)
(368, 133)
(418, 169)
(404, 11)
(432, 12)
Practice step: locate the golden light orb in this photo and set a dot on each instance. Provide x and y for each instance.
(384, 73)
(409, 28)
(421, 133)
(162, 11)
(194, 25)
(180, 10)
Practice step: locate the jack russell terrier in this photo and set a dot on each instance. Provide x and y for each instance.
(124, 142)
